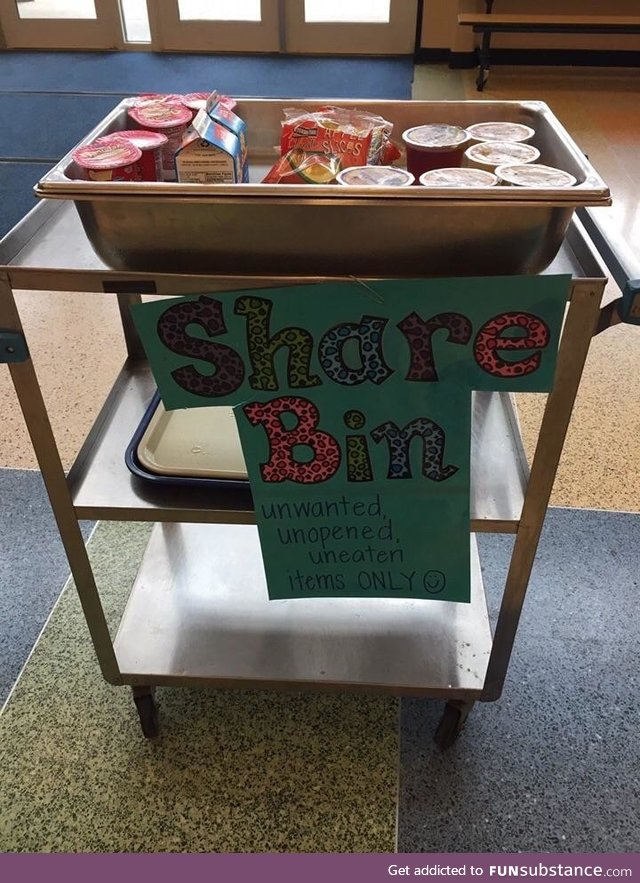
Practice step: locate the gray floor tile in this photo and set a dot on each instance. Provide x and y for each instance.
(555, 764)
(33, 568)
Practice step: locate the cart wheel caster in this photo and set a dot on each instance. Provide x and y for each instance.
(451, 724)
(145, 700)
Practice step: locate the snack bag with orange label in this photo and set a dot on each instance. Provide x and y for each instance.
(357, 137)
(332, 132)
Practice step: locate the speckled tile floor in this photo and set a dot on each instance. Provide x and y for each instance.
(234, 771)
(77, 347)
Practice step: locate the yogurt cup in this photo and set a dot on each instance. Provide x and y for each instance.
(488, 155)
(375, 176)
(195, 100)
(154, 97)
(534, 176)
(458, 178)
(169, 118)
(150, 144)
(434, 146)
(109, 159)
(500, 131)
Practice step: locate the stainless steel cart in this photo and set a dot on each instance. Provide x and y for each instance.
(198, 613)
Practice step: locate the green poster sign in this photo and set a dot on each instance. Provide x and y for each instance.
(389, 514)
(353, 406)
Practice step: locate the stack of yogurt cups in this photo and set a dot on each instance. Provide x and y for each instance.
(144, 153)
(441, 155)
(481, 155)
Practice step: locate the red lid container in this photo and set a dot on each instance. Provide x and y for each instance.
(195, 100)
(171, 119)
(108, 159)
(160, 115)
(153, 97)
(151, 144)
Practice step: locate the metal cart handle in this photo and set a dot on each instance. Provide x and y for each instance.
(624, 268)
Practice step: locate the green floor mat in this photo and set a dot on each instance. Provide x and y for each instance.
(233, 771)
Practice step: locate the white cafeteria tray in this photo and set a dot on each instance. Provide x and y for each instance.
(197, 442)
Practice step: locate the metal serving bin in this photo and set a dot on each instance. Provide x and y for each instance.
(265, 229)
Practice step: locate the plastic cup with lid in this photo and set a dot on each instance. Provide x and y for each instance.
(150, 144)
(375, 176)
(500, 131)
(434, 146)
(170, 118)
(458, 178)
(109, 159)
(488, 155)
(534, 175)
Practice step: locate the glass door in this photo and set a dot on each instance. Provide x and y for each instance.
(327, 27)
(349, 27)
(61, 24)
(215, 25)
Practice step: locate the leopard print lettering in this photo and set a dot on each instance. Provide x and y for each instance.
(489, 340)
(262, 347)
(281, 465)
(419, 334)
(358, 460)
(399, 441)
(229, 365)
(369, 337)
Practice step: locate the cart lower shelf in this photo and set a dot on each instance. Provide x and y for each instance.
(103, 488)
(199, 613)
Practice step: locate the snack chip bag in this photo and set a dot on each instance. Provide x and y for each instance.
(390, 152)
(304, 167)
(358, 138)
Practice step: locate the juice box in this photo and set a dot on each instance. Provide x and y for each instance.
(209, 154)
(224, 116)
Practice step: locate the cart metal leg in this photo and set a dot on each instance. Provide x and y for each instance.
(581, 321)
(145, 701)
(34, 410)
(132, 339)
(452, 722)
